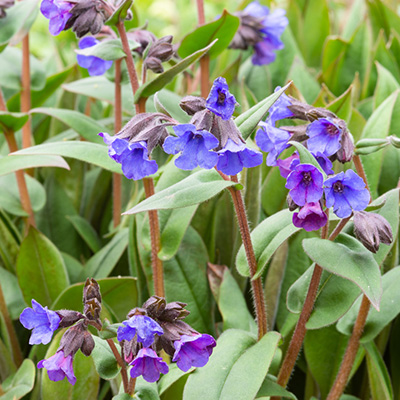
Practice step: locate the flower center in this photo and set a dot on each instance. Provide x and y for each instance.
(307, 178)
(221, 97)
(332, 130)
(338, 187)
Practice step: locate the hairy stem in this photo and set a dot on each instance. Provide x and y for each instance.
(26, 92)
(131, 386)
(256, 284)
(205, 60)
(117, 178)
(121, 363)
(360, 169)
(351, 352)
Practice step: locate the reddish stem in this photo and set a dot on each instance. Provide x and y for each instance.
(121, 363)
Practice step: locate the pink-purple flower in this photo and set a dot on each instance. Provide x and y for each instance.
(149, 365)
(310, 217)
(58, 12)
(95, 65)
(58, 367)
(220, 101)
(324, 136)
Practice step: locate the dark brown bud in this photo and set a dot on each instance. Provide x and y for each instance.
(91, 290)
(224, 130)
(249, 32)
(372, 229)
(346, 151)
(137, 311)
(298, 132)
(92, 309)
(154, 306)
(69, 317)
(88, 344)
(203, 120)
(154, 64)
(4, 4)
(174, 311)
(73, 338)
(192, 104)
(143, 37)
(160, 51)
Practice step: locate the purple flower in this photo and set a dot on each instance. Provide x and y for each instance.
(234, 157)
(193, 351)
(272, 140)
(95, 65)
(141, 325)
(58, 367)
(287, 165)
(149, 365)
(43, 322)
(324, 162)
(134, 157)
(58, 12)
(310, 217)
(305, 184)
(346, 192)
(195, 147)
(324, 136)
(220, 101)
(279, 110)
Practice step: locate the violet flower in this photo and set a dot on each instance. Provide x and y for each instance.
(287, 165)
(324, 136)
(324, 162)
(42, 321)
(346, 192)
(58, 12)
(193, 351)
(141, 325)
(234, 157)
(280, 109)
(149, 365)
(195, 147)
(305, 184)
(95, 65)
(220, 101)
(58, 367)
(310, 217)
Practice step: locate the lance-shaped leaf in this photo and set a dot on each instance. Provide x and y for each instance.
(223, 29)
(194, 189)
(16, 386)
(107, 50)
(248, 121)
(348, 258)
(120, 13)
(161, 80)
(306, 157)
(10, 121)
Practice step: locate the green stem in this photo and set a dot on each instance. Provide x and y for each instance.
(26, 92)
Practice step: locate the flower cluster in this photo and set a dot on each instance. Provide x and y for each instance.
(158, 325)
(261, 29)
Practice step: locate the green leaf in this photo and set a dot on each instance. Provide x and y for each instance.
(348, 258)
(87, 127)
(87, 232)
(163, 79)
(223, 29)
(16, 386)
(146, 390)
(273, 183)
(306, 157)
(342, 105)
(196, 188)
(104, 360)
(9, 164)
(87, 379)
(271, 388)
(92, 153)
(266, 238)
(168, 380)
(232, 365)
(104, 261)
(379, 378)
(40, 269)
(120, 13)
(385, 86)
(107, 50)
(12, 121)
(248, 121)
(376, 321)
(119, 294)
(12, 293)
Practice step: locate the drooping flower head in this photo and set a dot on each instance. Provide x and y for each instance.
(141, 325)
(193, 351)
(133, 157)
(324, 136)
(272, 140)
(235, 156)
(58, 12)
(58, 367)
(310, 217)
(195, 145)
(220, 101)
(346, 192)
(149, 365)
(42, 321)
(95, 65)
(305, 184)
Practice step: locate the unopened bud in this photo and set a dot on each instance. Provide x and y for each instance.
(154, 64)
(224, 130)
(298, 132)
(68, 317)
(91, 290)
(72, 339)
(88, 344)
(346, 151)
(137, 311)
(160, 51)
(174, 311)
(203, 120)
(4, 4)
(192, 104)
(249, 32)
(394, 141)
(154, 306)
(143, 37)
(371, 230)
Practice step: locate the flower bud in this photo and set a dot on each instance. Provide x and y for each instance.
(88, 344)
(136, 311)
(159, 52)
(298, 132)
(154, 306)
(143, 37)
(154, 64)
(4, 4)
(192, 104)
(72, 339)
(371, 230)
(68, 317)
(174, 311)
(224, 130)
(91, 290)
(249, 32)
(291, 204)
(203, 120)
(346, 151)
(394, 141)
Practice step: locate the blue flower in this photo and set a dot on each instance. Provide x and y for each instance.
(193, 351)
(141, 325)
(305, 184)
(220, 101)
(279, 110)
(43, 322)
(346, 192)
(149, 365)
(287, 165)
(272, 140)
(58, 12)
(310, 217)
(195, 147)
(133, 157)
(234, 157)
(324, 136)
(58, 367)
(95, 65)
(324, 162)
